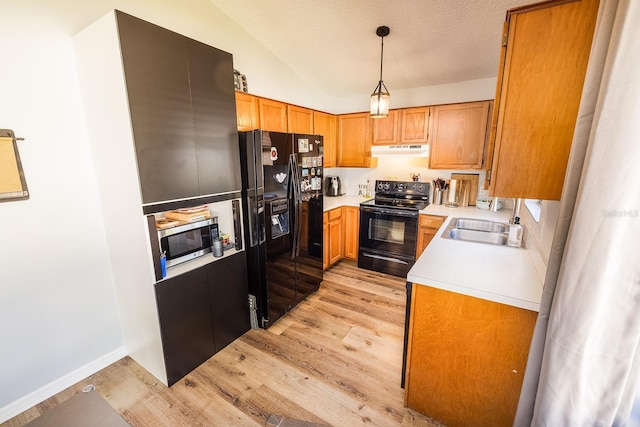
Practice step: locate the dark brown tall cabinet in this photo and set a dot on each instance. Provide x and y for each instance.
(161, 122)
(182, 106)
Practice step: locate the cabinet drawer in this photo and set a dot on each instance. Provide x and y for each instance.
(431, 221)
(335, 214)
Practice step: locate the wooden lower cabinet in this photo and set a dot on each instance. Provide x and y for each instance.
(428, 226)
(351, 228)
(465, 357)
(335, 236)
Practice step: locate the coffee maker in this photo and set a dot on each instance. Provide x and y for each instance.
(332, 185)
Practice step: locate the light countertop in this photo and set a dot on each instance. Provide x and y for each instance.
(339, 201)
(496, 273)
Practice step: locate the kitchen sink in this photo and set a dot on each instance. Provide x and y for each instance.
(481, 225)
(477, 230)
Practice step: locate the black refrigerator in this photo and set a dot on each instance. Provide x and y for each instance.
(282, 208)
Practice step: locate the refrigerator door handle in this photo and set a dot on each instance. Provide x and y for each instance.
(298, 202)
(294, 196)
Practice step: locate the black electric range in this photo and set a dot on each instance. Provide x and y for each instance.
(389, 226)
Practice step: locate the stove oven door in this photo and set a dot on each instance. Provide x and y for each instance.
(387, 240)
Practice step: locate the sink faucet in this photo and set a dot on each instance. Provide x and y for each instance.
(516, 210)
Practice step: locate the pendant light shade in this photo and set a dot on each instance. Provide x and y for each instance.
(380, 96)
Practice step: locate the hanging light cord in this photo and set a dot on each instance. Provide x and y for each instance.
(381, 55)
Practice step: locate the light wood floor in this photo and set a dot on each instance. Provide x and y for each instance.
(336, 359)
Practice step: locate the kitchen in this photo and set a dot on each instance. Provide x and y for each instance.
(61, 174)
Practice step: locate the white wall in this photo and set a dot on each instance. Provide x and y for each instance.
(58, 313)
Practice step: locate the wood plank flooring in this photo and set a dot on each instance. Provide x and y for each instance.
(334, 360)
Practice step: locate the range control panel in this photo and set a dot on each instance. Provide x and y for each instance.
(403, 187)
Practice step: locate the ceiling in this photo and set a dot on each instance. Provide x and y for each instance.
(332, 44)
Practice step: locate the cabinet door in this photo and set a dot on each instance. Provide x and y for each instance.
(351, 228)
(540, 86)
(156, 72)
(428, 226)
(385, 130)
(229, 293)
(273, 115)
(354, 140)
(299, 120)
(336, 246)
(414, 125)
(184, 309)
(458, 134)
(326, 125)
(216, 136)
(247, 112)
(466, 357)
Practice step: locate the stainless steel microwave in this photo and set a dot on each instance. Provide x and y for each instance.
(188, 241)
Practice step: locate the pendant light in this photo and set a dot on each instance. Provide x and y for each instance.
(380, 96)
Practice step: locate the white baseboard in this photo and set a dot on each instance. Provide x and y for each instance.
(43, 393)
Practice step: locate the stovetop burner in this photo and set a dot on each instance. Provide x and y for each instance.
(408, 195)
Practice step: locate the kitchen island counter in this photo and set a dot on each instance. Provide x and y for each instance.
(512, 276)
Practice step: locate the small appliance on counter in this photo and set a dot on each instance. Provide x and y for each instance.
(333, 186)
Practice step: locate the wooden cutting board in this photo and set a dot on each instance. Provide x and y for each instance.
(469, 190)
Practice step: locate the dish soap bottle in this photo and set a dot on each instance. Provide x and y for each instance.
(515, 233)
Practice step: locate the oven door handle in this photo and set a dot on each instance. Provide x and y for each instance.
(385, 258)
(394, 212)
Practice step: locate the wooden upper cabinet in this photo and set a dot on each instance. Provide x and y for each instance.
(354, 141)
(327, 125)
(458, 134)
(414, 127)
(247, 111)
(538, 94)
(385, 130)
(273, 115)
(299, 119)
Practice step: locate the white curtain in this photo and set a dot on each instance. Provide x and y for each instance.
(584, 359)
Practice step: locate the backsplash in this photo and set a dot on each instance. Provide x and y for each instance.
(539, 234)
(398, 169)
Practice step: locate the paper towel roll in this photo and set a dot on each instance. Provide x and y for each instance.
(452, 190)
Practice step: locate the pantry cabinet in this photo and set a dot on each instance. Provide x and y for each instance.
(544, 59)
(273, 115)
(354, 141)
(466, 357)
(428, 226)
(327, 125)
(299, 119)
(247, 111)
(458, 134)
(351, 228)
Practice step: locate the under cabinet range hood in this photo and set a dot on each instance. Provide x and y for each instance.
(419, 150)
